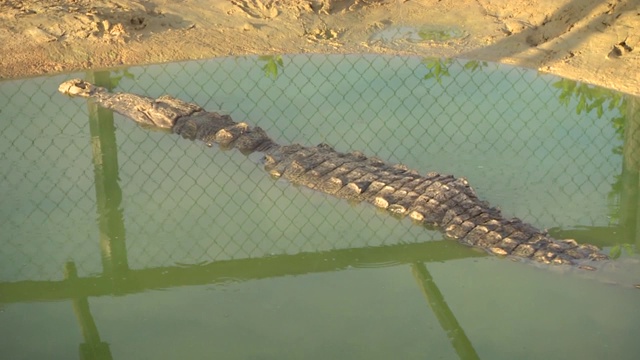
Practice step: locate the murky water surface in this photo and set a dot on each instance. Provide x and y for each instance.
(121, 243)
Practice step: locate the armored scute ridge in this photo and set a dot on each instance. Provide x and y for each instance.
(438, 201)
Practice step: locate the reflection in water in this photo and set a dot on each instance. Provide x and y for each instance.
(272, 64)
(629, 180)
(182, 204)
(135, 281)
(93, 347)
(624, 216)
(447, 320)
(108, 192)
(624, 196)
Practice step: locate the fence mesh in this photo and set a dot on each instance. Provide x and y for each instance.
(513, 133)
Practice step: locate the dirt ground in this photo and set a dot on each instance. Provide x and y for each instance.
(596, 41)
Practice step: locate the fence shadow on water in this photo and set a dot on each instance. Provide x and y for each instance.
(173, 213)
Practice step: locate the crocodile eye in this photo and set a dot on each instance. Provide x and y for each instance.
(75, 90)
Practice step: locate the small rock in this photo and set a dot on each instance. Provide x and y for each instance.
(615, 53)
(587, 267)
(619, 49)
(247, 26)
(138, 22)
(40, 35)
(117, 30)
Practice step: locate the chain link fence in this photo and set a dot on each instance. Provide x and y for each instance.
(509, 131)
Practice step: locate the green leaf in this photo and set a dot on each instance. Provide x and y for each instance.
(564, 99)
(628, 248)
(597, 104)
(587, 91)
(272, 63)
(271, 69)
(615, 252)
(474, 65)
(581, 105)
(431, 62)
(471, 65)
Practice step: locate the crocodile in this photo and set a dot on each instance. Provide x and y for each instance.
(437, 201)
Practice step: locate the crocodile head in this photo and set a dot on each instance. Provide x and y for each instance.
(78, 87)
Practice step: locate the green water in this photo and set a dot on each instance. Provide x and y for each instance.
(128, 244)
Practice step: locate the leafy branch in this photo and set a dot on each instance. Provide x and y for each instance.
(438, 68)
(616, 251)
(593, 98)
(273, 63)
(115, 79)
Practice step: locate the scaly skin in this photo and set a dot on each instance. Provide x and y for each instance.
(437, 201)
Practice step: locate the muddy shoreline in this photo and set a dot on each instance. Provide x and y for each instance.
(586, 40)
